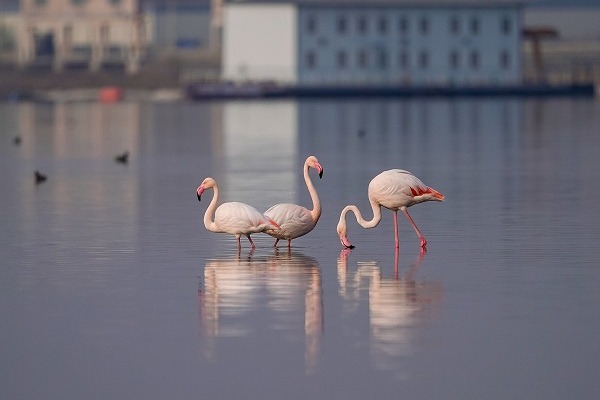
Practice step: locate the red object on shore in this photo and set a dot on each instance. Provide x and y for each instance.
(110, 94)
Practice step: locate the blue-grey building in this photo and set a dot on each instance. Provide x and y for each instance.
(448, 42)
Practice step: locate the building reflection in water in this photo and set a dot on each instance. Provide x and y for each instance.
(258, 147)
(398, 306)
(286, 284)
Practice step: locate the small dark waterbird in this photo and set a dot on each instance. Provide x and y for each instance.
(39, 177)
(122, 158)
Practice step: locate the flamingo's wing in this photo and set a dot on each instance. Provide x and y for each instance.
(294, 220)
(241, 218)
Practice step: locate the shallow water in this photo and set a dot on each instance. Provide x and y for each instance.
(110, 287)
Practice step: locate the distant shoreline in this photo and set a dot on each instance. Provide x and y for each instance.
(225, 90)
(45, 85)
(14, 83)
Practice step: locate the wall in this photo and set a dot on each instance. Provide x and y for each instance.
(259, 42)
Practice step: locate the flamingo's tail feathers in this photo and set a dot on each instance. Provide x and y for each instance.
(275, 224)
(437, 195)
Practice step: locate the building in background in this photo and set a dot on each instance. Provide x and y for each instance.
(93, 34)
(351, 42)
(572, 52)
(179, 24)
(9, 22)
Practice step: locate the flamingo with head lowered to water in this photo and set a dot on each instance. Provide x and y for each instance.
(234, 218)
(395, 190)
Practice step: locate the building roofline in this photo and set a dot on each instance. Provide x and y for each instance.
(391, 3)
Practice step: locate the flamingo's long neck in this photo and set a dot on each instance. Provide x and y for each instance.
(359, 218)
(209, 215)
(316, 211)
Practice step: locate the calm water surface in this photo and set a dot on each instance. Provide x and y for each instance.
(110, 287)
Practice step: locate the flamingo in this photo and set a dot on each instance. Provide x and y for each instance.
(295, 220)
(234, 218)
(395, 190)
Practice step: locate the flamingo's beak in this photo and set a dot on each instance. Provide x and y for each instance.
(320, 169)
(345, 242)
(199, 192)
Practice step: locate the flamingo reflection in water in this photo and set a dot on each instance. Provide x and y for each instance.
(287, 284)
(397, 305)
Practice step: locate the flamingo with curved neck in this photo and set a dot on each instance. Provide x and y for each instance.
(234, 218)
(395, 190)
(295, 220)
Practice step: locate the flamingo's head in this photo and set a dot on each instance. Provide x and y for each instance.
(206, 184)
(314, 163)
(342, 232)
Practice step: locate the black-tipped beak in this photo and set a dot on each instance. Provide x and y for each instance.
(351, 246)
(198, 194)
(321, 173)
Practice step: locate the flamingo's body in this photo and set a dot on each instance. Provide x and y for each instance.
(395, 190)
(295, 220)
(234, 218)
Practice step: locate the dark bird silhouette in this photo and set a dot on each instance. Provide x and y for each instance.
(39, 177)
(122, 158)
(17, 140)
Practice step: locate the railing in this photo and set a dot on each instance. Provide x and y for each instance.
(574, 71)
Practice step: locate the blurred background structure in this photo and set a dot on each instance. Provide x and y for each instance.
(353, 42)
(169, 43)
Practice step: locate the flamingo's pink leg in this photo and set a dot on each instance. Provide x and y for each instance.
(276, 241)
(289, 243)
(251, 242)
(423, 241)
(396, 229)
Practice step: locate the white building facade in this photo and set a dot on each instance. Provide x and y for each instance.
(348, 42)
(90, 33)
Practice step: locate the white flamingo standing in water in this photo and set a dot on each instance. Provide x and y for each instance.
(395, 190)
(234, 218)
(295, 220)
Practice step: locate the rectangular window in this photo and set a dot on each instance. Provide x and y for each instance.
(454, 60)
(424, 59)
(474, 59)
(382, 59)
(403, 59)
(311, 24)
(363, 59)
(311, 59)
(475, 26)
(455, 26)
(505, 59)
(383, 25)
(403, 25)
(341, 59)
(424, 26)
(341, 25)
(506, 25)
(362, 25)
